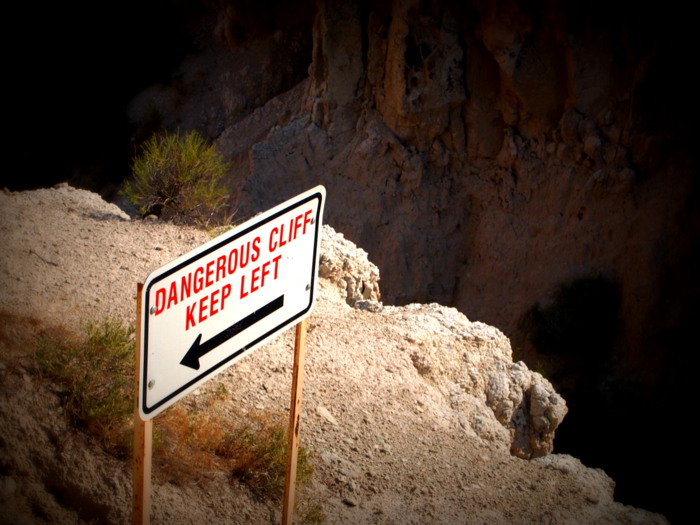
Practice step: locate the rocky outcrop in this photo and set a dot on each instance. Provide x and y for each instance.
(471, 364)
(487, 153)
(346, 266)
(494, 398)
(407, 408)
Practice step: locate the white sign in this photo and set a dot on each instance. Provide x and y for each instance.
(207, 309)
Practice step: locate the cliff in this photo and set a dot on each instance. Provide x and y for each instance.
(530, 164)
(411, 411)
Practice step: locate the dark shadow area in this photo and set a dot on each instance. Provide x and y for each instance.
(624, 417)
(68, 90)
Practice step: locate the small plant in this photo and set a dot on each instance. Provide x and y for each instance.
(179, 177)
(97, 378)
(221, 391)
(309, 512)
(257, 453)
(251, 448)
(95, 375)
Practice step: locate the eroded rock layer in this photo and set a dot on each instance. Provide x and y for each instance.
(522, 162)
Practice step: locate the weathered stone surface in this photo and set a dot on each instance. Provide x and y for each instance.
(485, 152)
(471, 364)
(347, 267)
(402, 403)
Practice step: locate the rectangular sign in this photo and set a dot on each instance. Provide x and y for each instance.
(210, 307)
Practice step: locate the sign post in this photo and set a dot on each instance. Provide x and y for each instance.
(210, 307)
(294, 424)
(204, 311)
(143, 432)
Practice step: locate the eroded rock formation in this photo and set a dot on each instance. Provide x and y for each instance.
(485, 154)
(469, 362)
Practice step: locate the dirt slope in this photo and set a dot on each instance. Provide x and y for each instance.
(402, 412)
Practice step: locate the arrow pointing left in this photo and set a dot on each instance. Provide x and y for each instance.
(199, 349)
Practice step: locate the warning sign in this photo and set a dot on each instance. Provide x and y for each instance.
(207, 309)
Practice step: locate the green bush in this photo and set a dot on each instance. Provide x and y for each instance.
(258, 456)
(179, 177)
(96, 377)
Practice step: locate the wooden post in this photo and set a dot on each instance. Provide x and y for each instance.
(294, 420)
(143, 441)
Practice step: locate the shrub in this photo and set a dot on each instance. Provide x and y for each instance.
(251, 448)
(179, 177)
(257, 453)
(96, 375)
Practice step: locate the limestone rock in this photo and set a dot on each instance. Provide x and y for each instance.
(347, 267)
(472, 365)
(528, 406)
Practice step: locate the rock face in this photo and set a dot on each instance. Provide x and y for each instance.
(487, 153)
(347, 266)
(522, 401)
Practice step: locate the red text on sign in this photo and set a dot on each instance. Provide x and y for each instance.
(208, 306)
(284, 233)
(207, 275)
(259, 275)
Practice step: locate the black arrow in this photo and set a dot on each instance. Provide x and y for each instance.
(198, 350)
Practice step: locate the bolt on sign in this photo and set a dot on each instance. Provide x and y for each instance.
(209, 308)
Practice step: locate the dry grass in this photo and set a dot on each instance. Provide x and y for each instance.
(250, 448)
(95, 376)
